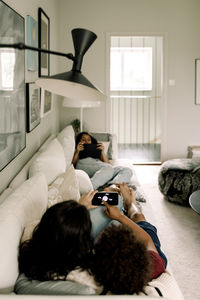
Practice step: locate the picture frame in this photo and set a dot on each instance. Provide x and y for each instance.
(197, 81)
(46, 102)
(33, 101)
(44, 43)
(32, 40)
(12, 86)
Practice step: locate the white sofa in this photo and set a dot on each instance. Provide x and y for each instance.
(38, 185)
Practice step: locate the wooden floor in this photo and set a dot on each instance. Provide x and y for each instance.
(140, 153)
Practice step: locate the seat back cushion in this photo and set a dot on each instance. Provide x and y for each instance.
(23, 174)
(50, 161)
(67, 139)
(84, 182)
(26, 204)
(65, 187)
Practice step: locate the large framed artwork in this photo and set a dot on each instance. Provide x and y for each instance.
(32, 40)
(44, 42)
(46, 102)
(33, 105)
(12, 87)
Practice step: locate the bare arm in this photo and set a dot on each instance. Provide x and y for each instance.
(79, 148)
(114, 213)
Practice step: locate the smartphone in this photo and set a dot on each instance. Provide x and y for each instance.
(109, 197)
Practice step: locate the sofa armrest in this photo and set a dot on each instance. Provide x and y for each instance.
(108, 137)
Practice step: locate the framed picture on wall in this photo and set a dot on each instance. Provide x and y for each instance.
(33, 105)
(197, 81)
(46, 102)
(43, 42)
(32, 40)
(12, 87)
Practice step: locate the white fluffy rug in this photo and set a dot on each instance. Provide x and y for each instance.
(179, 232)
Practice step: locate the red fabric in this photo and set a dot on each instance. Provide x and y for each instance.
(158, 264)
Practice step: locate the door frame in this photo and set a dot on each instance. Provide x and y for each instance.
(164, 82)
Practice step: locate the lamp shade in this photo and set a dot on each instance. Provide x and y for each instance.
(73, 84)
(79, 103)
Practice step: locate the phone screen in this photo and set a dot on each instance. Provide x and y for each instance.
(109, 197)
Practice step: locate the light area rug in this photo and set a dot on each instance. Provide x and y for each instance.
(179, 232)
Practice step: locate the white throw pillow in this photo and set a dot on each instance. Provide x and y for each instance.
(28, 230)
(67, 139)
(106, 145)
(26, 204)
(85, 184)
(65, 187)
(50, 161)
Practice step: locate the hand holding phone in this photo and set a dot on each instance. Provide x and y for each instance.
(113, 212)
(110, 197)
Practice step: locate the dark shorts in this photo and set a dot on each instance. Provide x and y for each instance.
(152, 231)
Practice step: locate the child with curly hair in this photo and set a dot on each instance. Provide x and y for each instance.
(127, 256)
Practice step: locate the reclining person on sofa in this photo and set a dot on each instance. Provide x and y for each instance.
(60, 242)
(63, 241)
(62, 245)
(128, 256)
(90, 157)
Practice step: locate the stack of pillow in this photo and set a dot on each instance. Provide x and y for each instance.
(64, 182)
(52, 179)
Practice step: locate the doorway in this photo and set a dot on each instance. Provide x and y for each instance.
(136, 77)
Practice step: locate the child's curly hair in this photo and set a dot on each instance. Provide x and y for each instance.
(122, 263)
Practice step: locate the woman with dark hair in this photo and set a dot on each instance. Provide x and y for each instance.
(127, 256)
(96, 164)
(61, 243)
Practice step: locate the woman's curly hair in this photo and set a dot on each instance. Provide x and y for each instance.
(61, 242)
(121, 263)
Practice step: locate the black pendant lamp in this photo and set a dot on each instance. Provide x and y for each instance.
(73, 84)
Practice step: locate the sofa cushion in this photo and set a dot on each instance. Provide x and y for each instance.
(28, 230)
(67, 139)
(23, 175)
(26, 204)
(106, 146)
(5, 194)
(85, 184)
(25, 286)
(65, 187)
(50, 161)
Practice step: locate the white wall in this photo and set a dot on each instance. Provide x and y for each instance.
(178, 21)
(50, 123)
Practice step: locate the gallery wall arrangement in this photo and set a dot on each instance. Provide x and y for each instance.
(21, 104)
(12, 87)
(33, 105)
(44, 42)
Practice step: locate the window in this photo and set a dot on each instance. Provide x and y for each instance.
(131, 69)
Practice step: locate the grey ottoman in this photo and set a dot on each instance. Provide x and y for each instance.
(179, 178)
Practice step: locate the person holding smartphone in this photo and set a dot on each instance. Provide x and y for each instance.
(127, 256)
(96, 164)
